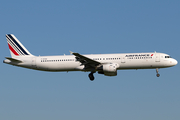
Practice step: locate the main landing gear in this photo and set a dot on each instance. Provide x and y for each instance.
(157, 72)
(91, 76)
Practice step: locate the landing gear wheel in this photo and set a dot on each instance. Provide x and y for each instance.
(158, 75)
(157, 72)
(91, 76)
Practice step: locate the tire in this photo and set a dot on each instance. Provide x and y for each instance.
(91, 76)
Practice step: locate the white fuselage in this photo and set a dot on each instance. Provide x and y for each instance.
(69, 62)
(106, 64)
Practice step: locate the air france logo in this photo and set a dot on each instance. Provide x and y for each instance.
(139, 55)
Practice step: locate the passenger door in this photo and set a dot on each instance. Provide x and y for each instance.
(123, 59)
(157, 59)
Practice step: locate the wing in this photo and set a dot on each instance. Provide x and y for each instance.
(89, 63)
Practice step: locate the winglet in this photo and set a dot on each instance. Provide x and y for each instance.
(71, 52)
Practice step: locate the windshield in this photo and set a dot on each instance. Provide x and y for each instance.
(167, 57)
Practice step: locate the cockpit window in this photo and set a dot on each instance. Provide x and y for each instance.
(167, 57)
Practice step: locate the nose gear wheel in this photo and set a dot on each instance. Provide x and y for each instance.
(157, 72)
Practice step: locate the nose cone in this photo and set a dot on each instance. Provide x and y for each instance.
(174, 62)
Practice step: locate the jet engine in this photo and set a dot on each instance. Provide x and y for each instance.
(109, 69)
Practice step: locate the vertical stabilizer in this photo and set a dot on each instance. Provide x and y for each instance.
(15, 47)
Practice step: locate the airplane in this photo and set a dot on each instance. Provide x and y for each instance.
(106, 64)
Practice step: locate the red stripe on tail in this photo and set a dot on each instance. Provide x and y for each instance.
(12, 50)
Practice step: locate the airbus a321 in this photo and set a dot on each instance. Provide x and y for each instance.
(106, 64)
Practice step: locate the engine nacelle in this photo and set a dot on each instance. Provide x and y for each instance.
(109, 69)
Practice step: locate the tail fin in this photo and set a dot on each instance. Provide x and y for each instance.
(15, 47)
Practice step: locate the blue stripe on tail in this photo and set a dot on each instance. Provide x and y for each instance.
(9, 35)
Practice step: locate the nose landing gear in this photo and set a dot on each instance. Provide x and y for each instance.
(157, 72)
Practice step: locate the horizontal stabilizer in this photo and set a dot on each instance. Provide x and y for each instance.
(13, 60)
